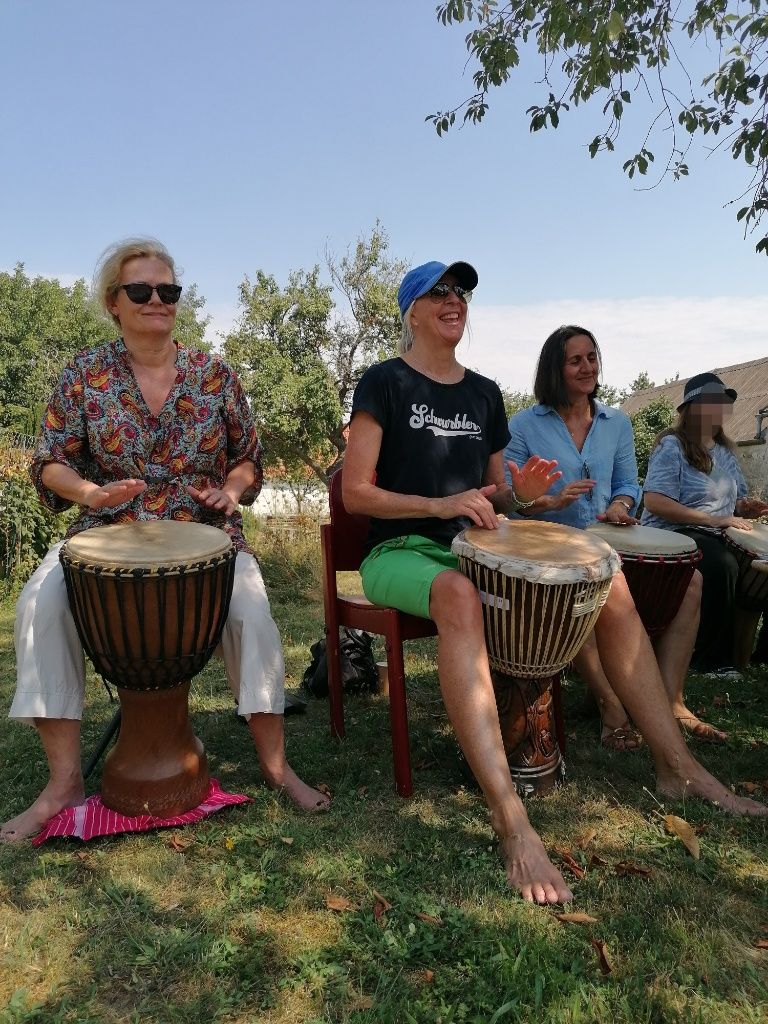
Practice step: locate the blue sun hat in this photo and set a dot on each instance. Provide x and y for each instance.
(418, 281)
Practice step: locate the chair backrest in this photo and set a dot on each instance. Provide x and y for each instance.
(348, 532)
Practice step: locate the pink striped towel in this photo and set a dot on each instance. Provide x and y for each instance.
(92, 818)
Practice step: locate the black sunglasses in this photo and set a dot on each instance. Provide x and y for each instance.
(442, 290)
(140, 292)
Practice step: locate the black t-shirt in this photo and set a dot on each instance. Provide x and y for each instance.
(437, 440)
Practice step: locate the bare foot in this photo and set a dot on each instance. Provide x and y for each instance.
(529, 869)
(53, 799)
(299, 793)
(693, 725)
(698, 782)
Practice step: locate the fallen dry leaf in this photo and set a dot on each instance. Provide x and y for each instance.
(628, 867)
(322, 788)
(679, 827)
(430, 919)
(429, 976)
(576, 918)
(338, 903)
(363, 1003)
(567, 858)
(288, 840)
(586, 839)
(761, 943)
(260, 840)
(749, 787)
(179, 844)
(82, 855)
(596, 862)
(602, 955)
(383, 900)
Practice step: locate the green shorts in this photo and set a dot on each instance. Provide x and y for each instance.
(399, 573)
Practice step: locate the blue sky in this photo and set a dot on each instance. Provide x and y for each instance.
(248, 135)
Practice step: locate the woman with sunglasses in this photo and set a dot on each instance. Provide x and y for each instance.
(141, 428)
(595, 451)
(424, 460)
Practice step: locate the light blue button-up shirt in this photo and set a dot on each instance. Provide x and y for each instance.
(608, 456)
(715, 493)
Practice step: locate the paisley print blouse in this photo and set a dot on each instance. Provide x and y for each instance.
(98, 424)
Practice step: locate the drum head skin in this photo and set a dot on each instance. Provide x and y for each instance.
(148, 545)
(642, 540)
(539, 552)
(755, 541)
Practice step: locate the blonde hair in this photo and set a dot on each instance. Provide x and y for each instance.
(106, 279)
(406, 335)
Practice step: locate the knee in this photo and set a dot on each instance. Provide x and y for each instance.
(454, 603)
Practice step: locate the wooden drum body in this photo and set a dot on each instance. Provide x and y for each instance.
(752, 585)
(542, 587)
(658, 565)
(150, 601)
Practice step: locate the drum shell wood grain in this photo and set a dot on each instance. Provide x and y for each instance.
(527, 721)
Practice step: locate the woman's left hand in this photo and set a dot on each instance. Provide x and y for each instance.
(751, 508)
(617, 513)
(214, 499)
(534, 479)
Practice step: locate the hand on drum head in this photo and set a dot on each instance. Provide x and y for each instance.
(535, 477)
(474, 504)
(113, 494)
(617, 513)
(722, 522)
(213, 498)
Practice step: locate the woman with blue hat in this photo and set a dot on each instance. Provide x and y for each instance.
(424, 460)
(695, 486)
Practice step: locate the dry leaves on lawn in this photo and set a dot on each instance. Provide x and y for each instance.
(602, 955)
(576, 917)
(628, 867)
(430, 919)
(567, 858)
(586, 839)
(338, 903)
(679, 827)
(381, 906)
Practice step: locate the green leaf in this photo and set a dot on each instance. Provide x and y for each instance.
(616, 26)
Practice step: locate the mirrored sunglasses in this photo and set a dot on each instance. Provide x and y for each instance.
(442, 290)
(140, 292)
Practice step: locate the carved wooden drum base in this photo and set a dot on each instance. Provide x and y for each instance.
(158, 766)
(527, 720)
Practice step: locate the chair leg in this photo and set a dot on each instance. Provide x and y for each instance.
(335, 690)
(398, 717)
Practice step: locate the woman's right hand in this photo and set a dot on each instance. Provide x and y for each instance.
(473, 504)
(112, 494)
(565, 497)
(722, 522)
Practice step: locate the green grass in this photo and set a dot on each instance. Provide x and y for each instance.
(227, 920)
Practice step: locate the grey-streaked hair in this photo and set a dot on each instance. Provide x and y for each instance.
(406, 335)
(106, 279)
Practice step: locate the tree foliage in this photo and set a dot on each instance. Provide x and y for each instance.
(647, 424)
(299, 354)
(43, 324)
(611, 51)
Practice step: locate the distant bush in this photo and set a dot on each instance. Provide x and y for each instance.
(290, 558)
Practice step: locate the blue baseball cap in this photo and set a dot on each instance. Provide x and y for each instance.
(418, 281)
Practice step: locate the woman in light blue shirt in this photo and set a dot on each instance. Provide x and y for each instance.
(595, 451)
(695, 486)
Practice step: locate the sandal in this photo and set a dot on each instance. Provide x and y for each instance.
(701, 730)
(626, 739)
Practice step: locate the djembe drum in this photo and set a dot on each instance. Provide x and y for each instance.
(658, 565)
(150, 601)
(750, 548)
(541, 587)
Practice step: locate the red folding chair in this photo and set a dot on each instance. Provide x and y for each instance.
(342, 542)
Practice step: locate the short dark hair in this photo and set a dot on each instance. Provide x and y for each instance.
(548, 386)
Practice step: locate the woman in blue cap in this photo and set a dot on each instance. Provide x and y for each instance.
(432, 435)
(695, 486)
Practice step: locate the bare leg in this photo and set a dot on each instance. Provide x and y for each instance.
(616, 731)
(629, 663)
(673, 652)
(61, 742)
(269, 739)
(465, 681)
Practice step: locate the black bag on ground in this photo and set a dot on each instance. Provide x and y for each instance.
(358, 669)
